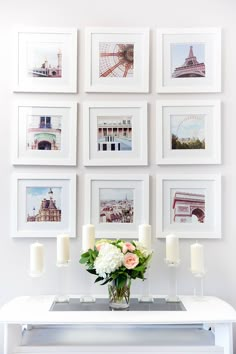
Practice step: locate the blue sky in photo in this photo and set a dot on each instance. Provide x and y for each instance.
(188, 126)
(34, 196)
(180, 51)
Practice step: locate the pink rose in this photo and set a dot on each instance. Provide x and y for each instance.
(130, 260)
(128, 247)
(98, 247)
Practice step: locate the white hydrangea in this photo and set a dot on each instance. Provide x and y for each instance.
(109, 259)
(145, 252)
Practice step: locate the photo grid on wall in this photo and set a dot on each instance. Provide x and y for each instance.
(116, 132)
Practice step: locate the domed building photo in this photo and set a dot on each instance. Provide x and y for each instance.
(43, 204)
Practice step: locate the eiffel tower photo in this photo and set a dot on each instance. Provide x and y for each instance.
(190, 68)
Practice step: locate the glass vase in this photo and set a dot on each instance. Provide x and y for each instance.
(119, 297)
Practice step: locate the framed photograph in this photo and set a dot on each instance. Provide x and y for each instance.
(188, 132)
(117, 204)
(46, 60)
(188, 60)
(44, 133)
(189, 206)
(117, 60)
(43, 204)
(115, 133)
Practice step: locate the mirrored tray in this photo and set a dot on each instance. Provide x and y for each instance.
(74, 304)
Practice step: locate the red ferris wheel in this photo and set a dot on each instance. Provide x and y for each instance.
(116, 59)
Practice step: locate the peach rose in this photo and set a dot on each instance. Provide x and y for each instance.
(98, 247)
(100, 243)
(127, 246)
(130, 260)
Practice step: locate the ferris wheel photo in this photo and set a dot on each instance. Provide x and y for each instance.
(188, 131)
(116, 60)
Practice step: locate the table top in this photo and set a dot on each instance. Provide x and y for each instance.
(36, 310)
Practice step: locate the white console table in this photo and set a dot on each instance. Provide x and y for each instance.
(30, 327)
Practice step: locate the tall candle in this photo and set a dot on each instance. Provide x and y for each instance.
(63, 249)
(88, 237)
(197, 258)
(145, 235)
(172, 248)
(36, 258)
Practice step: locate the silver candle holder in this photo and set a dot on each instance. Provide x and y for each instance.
(198, 289)
(146, 295)
(62, 297)
(87, 297)
(173, 281)
(33, 274)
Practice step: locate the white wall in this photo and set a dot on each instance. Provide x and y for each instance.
(220, 254)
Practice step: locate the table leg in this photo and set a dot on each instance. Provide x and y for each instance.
(12, 337)
(224, 337)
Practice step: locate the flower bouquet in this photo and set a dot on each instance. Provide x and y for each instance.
(116, 263)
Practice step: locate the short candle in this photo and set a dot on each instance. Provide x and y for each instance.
(36, 258)
(197, 258)
(145, 236)
(172, 249)
(63, 249)
(88, 237)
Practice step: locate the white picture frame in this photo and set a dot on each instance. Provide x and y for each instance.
(103, 191)
(188, 132)
(115, 133)
(45, 60)
(31, 196)
(189, 206)
(44, 133)
(182, 69)
(127, 70)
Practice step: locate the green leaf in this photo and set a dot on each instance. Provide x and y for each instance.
(121, 280)
(84, 255)
(134, 276)
(123, 269)
(140, 268)
(106, 281)
(114, 276)
(98, 279)
(140, 276)
(92, 271)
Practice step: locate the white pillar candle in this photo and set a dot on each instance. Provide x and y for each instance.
(197, 258)
(36, 258)
(88, 237)
(145, 235)
(63, 249)
(172, 248)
